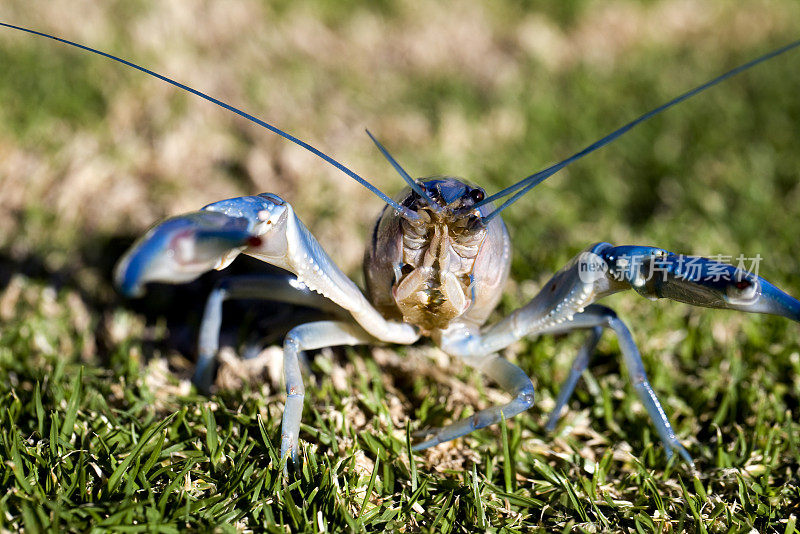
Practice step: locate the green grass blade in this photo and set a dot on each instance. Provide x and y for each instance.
(72, 406)
(120, 470)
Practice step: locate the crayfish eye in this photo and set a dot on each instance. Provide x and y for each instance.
(476, 195)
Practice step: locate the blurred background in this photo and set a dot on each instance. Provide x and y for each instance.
(92, 153)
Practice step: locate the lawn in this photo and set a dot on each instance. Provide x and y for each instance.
(100, 427)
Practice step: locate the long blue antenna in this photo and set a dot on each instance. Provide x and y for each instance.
(408, 179)
(405, 212)
(526, 184)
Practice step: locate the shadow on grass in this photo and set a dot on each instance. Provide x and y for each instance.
(250, 324)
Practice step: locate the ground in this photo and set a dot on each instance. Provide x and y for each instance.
(99, 424)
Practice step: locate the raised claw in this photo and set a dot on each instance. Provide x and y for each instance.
(180, 249)
(656, 273)
(262, 226)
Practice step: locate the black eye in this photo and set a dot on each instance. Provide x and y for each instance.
(476, 195)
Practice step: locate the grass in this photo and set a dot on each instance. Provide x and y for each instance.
(100, 428)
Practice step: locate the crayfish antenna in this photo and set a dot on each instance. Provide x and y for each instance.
(407, 213)
(402, 172)
(526, 184)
